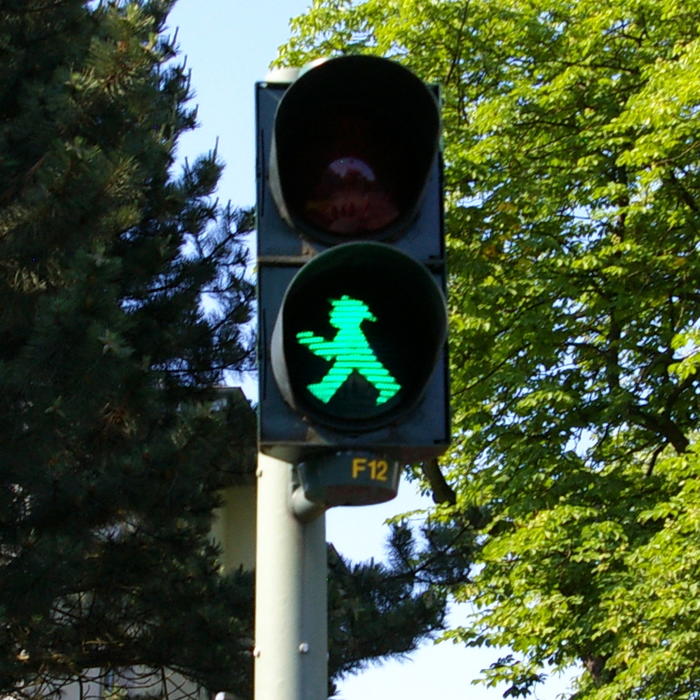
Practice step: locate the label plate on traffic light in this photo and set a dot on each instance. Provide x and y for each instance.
(349, 478)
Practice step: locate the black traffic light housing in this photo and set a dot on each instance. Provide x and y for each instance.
(351, 269)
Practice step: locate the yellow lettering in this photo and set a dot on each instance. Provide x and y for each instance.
(378, 469)
(359, 464)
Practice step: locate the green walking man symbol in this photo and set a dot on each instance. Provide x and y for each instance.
(350, 352)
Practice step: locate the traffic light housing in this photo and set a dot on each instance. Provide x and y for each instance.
(351, 270)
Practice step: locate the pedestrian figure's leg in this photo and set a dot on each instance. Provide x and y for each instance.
(334, 379)
(379, 376)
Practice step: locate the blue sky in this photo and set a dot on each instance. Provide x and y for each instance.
(229, 45)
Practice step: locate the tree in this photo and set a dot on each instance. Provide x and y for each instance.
(573, 202)
(124, 302)
(380, 611)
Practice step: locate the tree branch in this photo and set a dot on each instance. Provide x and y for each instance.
(442, 492)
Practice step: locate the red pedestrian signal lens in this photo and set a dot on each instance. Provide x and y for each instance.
(349, 199)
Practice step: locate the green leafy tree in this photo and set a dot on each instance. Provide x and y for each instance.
(573, 211)
(123, 303)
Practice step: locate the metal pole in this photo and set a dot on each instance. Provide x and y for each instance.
(291, 633)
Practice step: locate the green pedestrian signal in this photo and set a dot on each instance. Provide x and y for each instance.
(357, 337)
(350, 352)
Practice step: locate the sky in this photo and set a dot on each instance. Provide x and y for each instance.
(229, 45)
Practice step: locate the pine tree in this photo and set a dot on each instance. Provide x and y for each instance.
(123, 303)
(379, 611)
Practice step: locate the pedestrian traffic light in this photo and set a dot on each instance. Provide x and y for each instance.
(351, 270)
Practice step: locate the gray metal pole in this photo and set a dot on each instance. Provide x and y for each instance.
(291, 632)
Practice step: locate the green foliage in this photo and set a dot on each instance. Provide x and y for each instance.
(573, 210)
(123, 304)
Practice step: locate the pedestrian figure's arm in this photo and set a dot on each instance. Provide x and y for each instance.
(318, 345)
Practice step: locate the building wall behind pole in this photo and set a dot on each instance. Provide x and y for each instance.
(233, 528)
